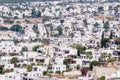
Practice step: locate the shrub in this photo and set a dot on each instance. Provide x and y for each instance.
(111, 60)
(1, 69)
(8, 21)
(35, 48)
(24, 65)
(14, 60)
(17, 28)
(24, 48)
(50, 71)
(29, 68)
(32, 64)
(39, 63)
(17, 65)
(102, 78)
(58, 72)
(93, 63)
(45, 72)
(3, 28)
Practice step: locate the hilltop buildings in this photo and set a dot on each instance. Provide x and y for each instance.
(60, 40)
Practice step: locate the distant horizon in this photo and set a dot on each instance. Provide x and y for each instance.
(22, 1)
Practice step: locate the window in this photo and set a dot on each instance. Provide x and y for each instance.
(35, 69)
(10, 76)
(37, 75)
(66, 52)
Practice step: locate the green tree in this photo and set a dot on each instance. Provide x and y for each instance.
(50, 71)
(110, 60)
(80, 48)
(104, 41)
(62, 21)
(29, 68)
(1, 69)
(89, 55)
(110, 7)
(16, 41)
(8, 21)
(67, 62)
(111, 35)
(3, 28)
(78, 67)
(45, 72)
(96, 24)
(24, 48)
(109, 55)
(106, 26)
(45, 18)
(32, 64)
(71, 34)
(7, 70)
(118, 58)
(17, 28)
(18, 65)
(35, 28)
(23, 16)
(100, 9)
(35, 48)
(94, 63)
(39, 63)
(38, 14)
(14, 60)
(103, 56)
(58, 72)
(59, 29)
(33, 12)
(45, 41)
(102, 78)
(24, 65)
(85, 22)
